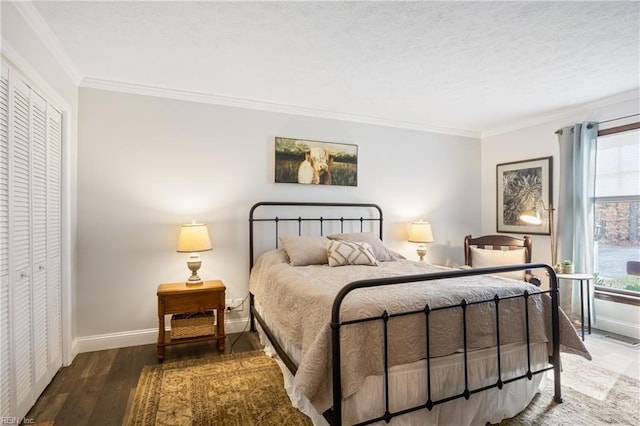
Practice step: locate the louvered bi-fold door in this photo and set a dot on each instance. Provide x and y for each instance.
(39, 240)
(20, 242)
(6, 383)
(54, 239)
(30, 234)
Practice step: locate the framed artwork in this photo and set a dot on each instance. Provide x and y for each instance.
(521, 186)
(315, 163)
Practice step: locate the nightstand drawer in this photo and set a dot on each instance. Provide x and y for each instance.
(190, 303)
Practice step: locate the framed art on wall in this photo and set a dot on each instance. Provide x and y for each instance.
(314, 162)
(523, 186)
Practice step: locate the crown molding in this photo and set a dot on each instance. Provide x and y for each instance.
(140, 89)
(49, 39)
(566, 112)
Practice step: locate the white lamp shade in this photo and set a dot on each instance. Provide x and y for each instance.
(193, 237)
(420, 232)
(531, 217)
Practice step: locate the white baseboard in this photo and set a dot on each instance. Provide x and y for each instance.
(73, 351)
(618, 318)
(618, 327)
(124, 339)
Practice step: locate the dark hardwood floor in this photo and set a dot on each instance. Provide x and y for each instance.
(97, 388)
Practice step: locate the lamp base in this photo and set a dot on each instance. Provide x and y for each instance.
(193, 264)
(194, 280)
(422, 251)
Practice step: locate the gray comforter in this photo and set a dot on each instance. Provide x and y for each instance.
(298, 302)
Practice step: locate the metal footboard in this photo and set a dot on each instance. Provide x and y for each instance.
(334, 415)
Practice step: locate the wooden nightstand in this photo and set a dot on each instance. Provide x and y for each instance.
(177, 298)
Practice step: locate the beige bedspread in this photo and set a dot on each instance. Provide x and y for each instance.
(298, 301)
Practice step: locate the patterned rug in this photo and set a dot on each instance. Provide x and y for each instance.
(247, 389)
(240, 389)
(591, 396)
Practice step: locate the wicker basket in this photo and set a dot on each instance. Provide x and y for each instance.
(192, 324)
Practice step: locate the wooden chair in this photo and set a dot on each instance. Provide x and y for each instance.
(500, 242)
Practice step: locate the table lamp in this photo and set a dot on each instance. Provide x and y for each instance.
(420, 232)
(194, 238)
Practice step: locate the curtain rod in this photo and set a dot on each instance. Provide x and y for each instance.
(619, 118)
(617, 129)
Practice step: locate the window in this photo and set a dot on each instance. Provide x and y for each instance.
(617, 213)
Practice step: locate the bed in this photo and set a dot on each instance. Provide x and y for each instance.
(380, 338)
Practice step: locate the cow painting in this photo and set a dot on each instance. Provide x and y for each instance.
(315, 163)
(316, 167)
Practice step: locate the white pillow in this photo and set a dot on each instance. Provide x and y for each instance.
(342, 253)
(382, 253)
(305, 250)
(484, 258)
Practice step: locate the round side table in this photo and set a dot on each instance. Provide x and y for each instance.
(584, 279)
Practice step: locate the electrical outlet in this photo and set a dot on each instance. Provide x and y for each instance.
(239, 303)
(234, 305)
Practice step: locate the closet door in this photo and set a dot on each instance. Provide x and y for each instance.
(5, 323)
(54, 239)
(30, 243)
(39, 240)
(20, 243)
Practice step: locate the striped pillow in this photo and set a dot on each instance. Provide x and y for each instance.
(342, 253)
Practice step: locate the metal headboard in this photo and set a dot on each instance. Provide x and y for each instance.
(373, 210)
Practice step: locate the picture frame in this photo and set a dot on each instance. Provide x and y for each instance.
(310, 162)
(521, 186)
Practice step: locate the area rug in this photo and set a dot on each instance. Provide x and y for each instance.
(239, 389)
(247, 389)
(591, 396)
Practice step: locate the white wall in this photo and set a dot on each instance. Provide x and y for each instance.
(24, 51)
(540, 140)
(147, 164)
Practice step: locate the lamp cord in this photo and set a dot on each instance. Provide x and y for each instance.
(230, 309)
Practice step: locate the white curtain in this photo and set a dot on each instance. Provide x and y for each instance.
(575, 200)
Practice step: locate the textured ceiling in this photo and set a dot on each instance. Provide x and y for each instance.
(478, 66)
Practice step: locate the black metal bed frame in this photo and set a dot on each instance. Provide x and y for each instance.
(334, 414)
